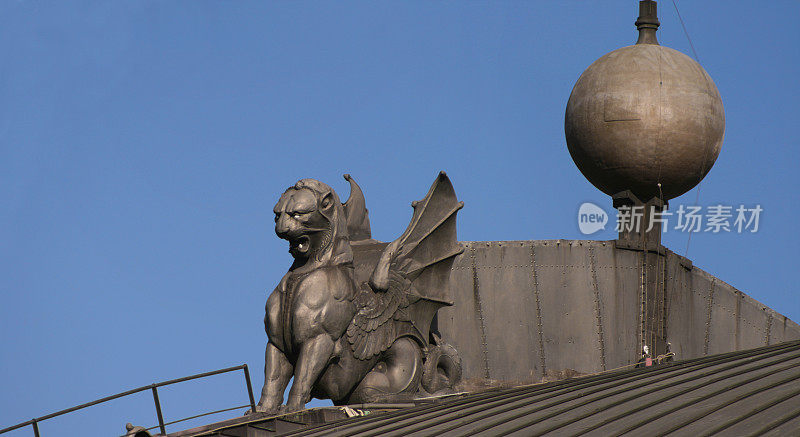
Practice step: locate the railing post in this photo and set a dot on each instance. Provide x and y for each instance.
(35, 427)
(158, 410)
(249, 389)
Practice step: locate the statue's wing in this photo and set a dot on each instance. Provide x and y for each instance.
(355, 209)
(410, 282)
(426, 250)
(379, 320)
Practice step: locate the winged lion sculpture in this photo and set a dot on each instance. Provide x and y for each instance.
(354, 319)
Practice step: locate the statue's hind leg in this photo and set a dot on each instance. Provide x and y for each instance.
(396, 376)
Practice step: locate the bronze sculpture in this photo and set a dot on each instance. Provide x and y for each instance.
(350, 326)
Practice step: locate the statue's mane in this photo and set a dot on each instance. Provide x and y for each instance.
(337, 250)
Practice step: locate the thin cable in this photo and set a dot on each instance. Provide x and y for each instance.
(697, 59)
(689, 240)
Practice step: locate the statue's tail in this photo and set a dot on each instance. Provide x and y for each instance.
(442, 368)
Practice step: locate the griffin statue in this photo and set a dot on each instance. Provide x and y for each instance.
(354, 319)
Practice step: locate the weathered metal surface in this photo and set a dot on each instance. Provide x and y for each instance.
(644, 237)
(568, 307)
(618, 281)
(689, 312)
(509, 265)
(539, 324)
(469, 324)
(598, 308)
(477, 307)
(573, 279)
(647, 23)
(782, 329)
(645, 115)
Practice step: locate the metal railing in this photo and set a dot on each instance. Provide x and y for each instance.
(154, 388)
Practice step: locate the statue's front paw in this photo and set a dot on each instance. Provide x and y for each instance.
(291, 407)
(263, 408)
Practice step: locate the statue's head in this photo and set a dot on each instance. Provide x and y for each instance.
(310, 217)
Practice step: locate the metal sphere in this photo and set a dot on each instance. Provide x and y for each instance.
(643, 115)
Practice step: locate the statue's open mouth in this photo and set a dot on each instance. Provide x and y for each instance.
(300, 245)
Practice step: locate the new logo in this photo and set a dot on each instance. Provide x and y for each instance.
(591, 218)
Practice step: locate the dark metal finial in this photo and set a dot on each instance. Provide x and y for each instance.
(647, 23)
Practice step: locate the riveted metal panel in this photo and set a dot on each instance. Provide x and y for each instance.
(752, 323)
(509, 311)
(569, 324)
(590, 291)
(783, 329)
(618, 282)
(723, 318)
(460, 325)
(688, 313)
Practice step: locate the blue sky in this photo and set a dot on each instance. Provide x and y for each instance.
(144, 144)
